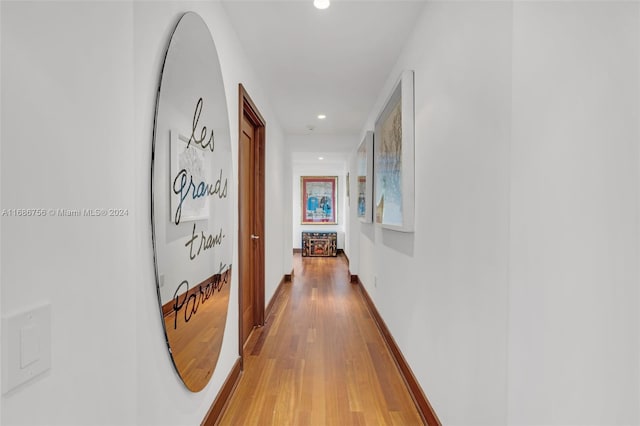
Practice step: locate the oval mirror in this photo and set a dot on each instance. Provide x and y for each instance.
(191, 201)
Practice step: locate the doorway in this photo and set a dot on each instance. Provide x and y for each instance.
(251, 173)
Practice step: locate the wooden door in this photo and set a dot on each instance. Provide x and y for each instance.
(251, 226)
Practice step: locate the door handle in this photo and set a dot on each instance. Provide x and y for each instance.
(255, 237)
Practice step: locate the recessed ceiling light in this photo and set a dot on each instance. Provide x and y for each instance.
(321, 4)
(320, 158)
(322, 116)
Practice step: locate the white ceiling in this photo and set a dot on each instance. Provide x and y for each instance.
(332, 61)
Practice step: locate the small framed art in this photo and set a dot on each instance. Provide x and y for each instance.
(319, 200)
(365, 179)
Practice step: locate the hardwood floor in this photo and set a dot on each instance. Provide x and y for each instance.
(195, 344)
(320, 359)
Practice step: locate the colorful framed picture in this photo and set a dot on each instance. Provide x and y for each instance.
(394, 159)
(319, 200)
(365, 179)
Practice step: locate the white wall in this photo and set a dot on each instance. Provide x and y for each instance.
(78, 97)
(1, 276)
(67, 139)
(442, 290)
(573, 302)
(287, 214)
(516, 299)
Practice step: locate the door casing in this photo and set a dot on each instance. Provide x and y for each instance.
(255, 262)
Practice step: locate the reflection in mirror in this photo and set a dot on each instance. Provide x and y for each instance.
(192, 201)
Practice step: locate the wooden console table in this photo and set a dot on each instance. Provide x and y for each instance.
(319, 244)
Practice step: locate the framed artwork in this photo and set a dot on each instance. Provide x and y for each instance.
(190, 171)
(365, 179)
(394, 158)
(319, 200)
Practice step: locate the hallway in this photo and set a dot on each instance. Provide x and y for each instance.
(320, 359)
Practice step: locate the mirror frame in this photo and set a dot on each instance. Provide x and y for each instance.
(212, 291)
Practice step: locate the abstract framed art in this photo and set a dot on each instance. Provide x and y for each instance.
(189, 163)
(319, 200)
(394, 158)
(365, 179)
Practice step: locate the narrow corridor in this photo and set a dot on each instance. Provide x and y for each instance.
(320, 359)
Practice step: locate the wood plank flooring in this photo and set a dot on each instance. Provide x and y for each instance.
(195, 344)
(320, 359)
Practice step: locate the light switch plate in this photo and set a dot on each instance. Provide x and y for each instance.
(29, 345)
(26, 346)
